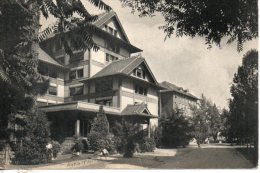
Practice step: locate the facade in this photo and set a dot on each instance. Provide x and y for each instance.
(123, 84)
(174, 97)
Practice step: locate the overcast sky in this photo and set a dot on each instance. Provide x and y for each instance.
(184, 61)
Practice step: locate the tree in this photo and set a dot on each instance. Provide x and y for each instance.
(214, 120)
(20, 36)
(98, 135)
(126, 132)
(175, 129)
(33, 139)
(244, 103)
(213, 20)
(225, 124)
(199, 120)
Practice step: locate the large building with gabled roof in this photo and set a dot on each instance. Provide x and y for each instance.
(123, 84)
(174, 97)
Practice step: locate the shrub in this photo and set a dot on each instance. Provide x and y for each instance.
(126, 137)
(99, 133)
(55, 148)
(96, 141)
(147, 145)
(176, 129)
(32, 146)
(78, 147)
(129, 148)
(101, 124)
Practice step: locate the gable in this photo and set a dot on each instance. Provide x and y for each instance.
(111, 24)
(142, 71)
(145, 111)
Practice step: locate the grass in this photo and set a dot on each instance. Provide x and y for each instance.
(249, 154)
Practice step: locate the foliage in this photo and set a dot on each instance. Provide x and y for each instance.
(243, 106)
(98, 136)
(156, 134)
(100, 124)
(213, 20)
(147, 145)
(78, 147)
(175, 129)
(126, 133)
(97, 141)
(225, 121)
(31, 148)
(19, 35)
(206, 120)
(55, 148)
(71, 29)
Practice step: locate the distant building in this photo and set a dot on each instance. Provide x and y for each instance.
(173, 97)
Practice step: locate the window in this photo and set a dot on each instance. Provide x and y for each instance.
(139, 72)
(104, 85)
(52, 90)
(76, 57)
(76, 74)
(110, 58)
(74, 91)
(140, 90)
(105, 102)
(111, 30)
(112, 47)
(45, 71)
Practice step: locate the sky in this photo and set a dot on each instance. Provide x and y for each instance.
(183, 61)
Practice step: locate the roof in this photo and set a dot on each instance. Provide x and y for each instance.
(44, 57)
(123, 67)
(172, 87)
(130, 110)
(104, 17)
(137, 109)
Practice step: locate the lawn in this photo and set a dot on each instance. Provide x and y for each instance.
(249, 154)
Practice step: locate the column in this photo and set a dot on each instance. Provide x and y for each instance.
(77, 128)
(149, 128)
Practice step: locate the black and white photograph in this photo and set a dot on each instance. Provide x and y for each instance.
(129, 85)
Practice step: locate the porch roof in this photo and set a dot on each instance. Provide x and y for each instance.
(131, 110)
(138, 110)
(79, 105)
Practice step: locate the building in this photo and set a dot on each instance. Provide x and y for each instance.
(174, 97)
(123, 84)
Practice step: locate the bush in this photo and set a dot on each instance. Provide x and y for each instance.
(55, 148)
(147, 145)
(175, 129)
(78, 147)
(126, 134)
(99, 133)
(97, 142)
(32, 146)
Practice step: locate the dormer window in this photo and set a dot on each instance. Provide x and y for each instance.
(139, 72)
(111, 30)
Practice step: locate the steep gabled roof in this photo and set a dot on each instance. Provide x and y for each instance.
(103, 18)
(172, 87)
(125, 67)
(44, 57)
